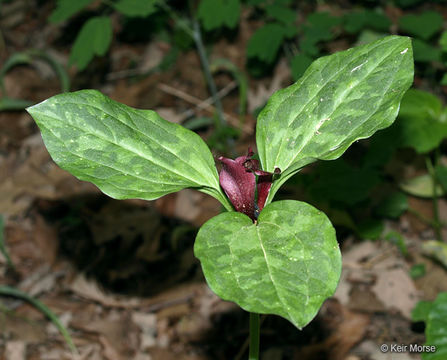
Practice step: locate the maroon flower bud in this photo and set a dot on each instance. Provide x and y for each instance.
(241, 179)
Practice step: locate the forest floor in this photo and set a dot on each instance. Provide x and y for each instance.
(121, 275)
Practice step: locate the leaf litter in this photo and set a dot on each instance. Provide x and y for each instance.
(48, 212)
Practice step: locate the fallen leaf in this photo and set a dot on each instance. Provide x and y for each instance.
(15, 350)
(396, 290)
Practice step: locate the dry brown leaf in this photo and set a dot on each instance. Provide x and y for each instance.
(350, 331)
(380, 264)
(148, 326)
(39, 282)
(90, 290)
(15, 350)
(395, 289)
(259, 97)
(46, 238)
(109, 350)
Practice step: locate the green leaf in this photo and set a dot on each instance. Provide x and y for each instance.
(27, 57)
(436, 329)
(356, 21)
(127, 153)
(421, 311)
(318, 28)
(393, 205)
(338, 181)
(424, 25)
(265, 42)
(341, 98)
(444, 80)
(441, 175)
(299, 64)
(281, 13)
(218, 13)
(397, 239)
(421, 186)
(416, 272)
(370, 229)
(67, 8)
(137, 8)
(436, 250)
(287, 264)
(10, 104)
(367, 36)
(419, 123)
(424, 52)
(93, 39)
(443, 41)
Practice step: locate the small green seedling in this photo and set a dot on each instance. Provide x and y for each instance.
(268, 257)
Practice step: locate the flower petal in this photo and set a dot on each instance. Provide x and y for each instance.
(239, 184)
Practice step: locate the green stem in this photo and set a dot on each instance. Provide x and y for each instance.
(9, 291)
(431, 171)
(178, 20)
(423, 218)
(254, 337)
(197, 36)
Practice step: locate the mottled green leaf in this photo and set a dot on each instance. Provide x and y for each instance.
(423, 25)
(93, 39)
(436, 330)
(67, 8)
(421, 186)
(136, 7)
(341, 98)
(265, 42)
(287, 264)
(218, 13)
(127, 153)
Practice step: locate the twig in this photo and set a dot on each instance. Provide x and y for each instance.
(200, 103)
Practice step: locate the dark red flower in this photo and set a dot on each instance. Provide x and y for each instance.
(245, 184)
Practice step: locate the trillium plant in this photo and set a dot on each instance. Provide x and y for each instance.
(269, 257)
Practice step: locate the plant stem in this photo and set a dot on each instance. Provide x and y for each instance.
(432, 173)
(254, 337)
(197, 36)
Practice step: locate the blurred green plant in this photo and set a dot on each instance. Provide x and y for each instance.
(136, 154)
(10, 291)
(434, 315)
(29, 57)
